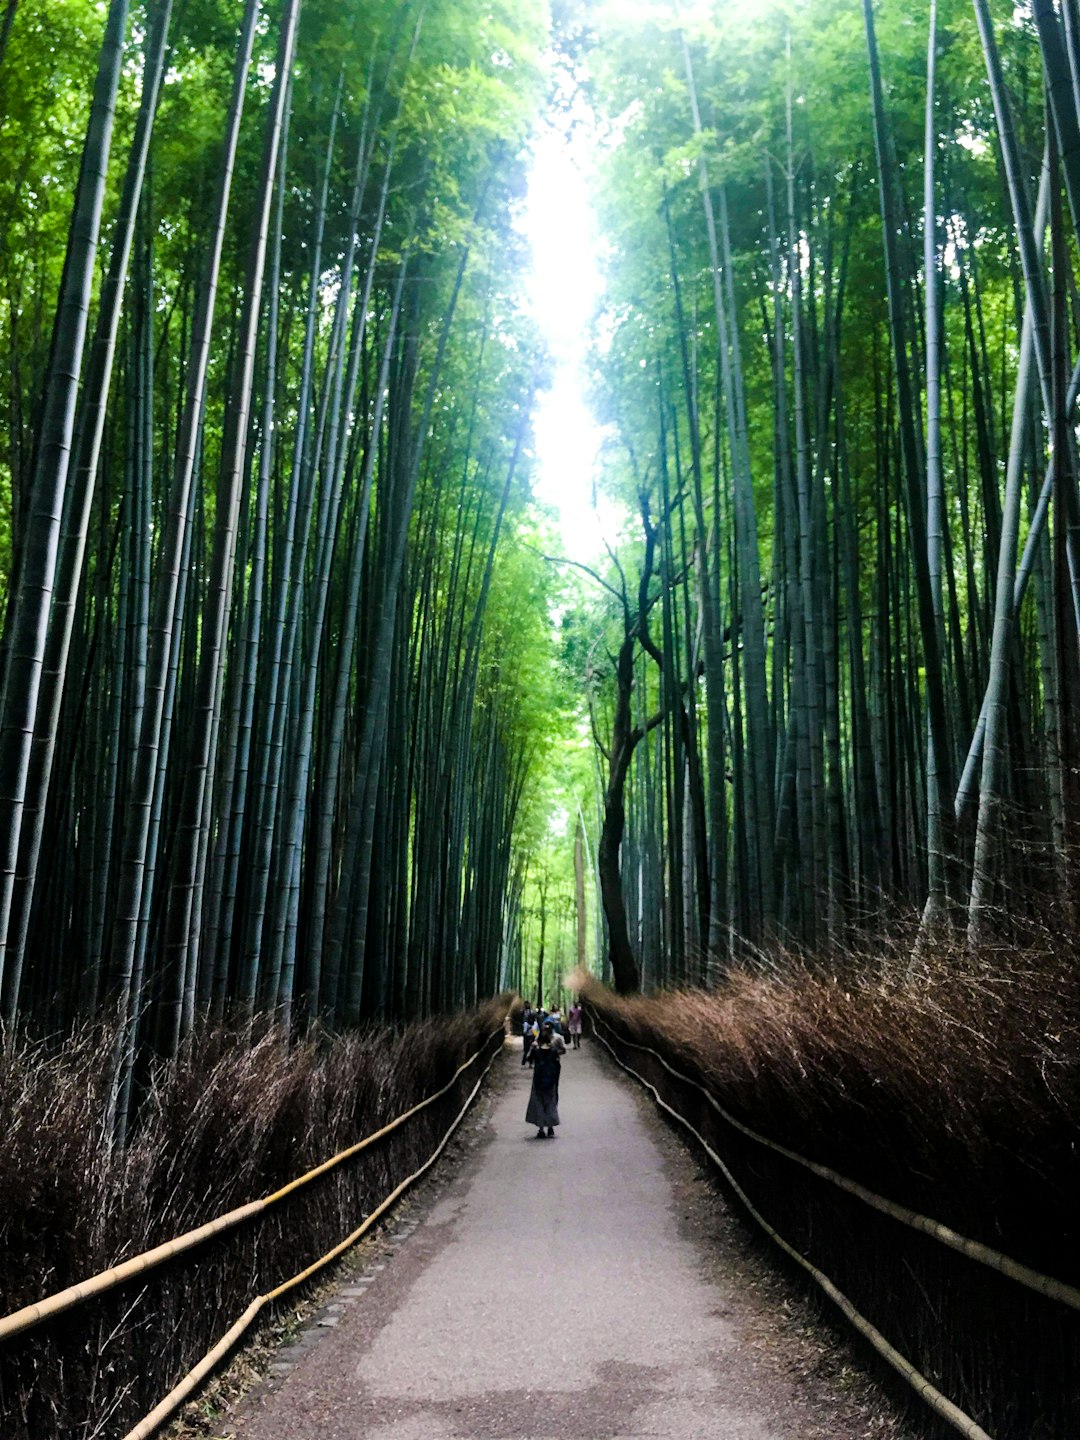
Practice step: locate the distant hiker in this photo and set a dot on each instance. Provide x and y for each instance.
(574, 1024)
(554, 1019)
(543, 1111)
(529, 1033)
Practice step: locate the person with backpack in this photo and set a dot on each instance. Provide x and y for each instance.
(543, 1111)
(530, 1030)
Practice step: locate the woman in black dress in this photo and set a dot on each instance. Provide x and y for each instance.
(543, 1111)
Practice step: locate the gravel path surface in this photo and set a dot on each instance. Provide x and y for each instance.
(569, 1287)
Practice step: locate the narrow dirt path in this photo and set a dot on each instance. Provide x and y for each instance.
(558, 1287)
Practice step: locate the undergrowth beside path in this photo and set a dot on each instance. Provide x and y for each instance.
(227, 1122)
(948, 1087)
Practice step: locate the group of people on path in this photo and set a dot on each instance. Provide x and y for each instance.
(543, 1047)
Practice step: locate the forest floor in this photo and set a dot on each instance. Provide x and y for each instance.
(598, 1286)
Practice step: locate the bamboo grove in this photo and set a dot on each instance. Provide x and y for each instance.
(277, 677)
(832, 662)
(275, 641)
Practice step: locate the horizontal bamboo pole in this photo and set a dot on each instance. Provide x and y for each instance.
(939, 1403)
(31, 1315)
(194, 1378)
(975, 1250)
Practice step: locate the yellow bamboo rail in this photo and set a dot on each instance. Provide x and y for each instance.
(975, 1250)
(931, 1395)
(194, 1378)
(34, 1314)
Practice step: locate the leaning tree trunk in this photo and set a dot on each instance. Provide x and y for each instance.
(994, 717)
(624, 966)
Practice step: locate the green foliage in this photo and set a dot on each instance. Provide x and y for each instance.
(660, 385)
(432, 106)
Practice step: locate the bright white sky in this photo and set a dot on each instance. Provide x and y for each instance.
(564, 290)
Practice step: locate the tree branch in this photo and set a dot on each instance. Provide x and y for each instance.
(565, 560)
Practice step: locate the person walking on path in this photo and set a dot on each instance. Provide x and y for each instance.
(543, 1111)
(529, 1032)
(574, 1024)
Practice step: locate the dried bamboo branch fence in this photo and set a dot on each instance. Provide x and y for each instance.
(1012, 1361)
(213, 1357)
(198, 1252)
